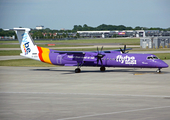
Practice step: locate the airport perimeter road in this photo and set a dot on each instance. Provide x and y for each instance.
(12, 57)
(45, 93)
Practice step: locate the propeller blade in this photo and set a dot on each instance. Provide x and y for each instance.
(124, 48)
(97, 62)
(101, 49)
(99, 56)
(101, 61)
(121, 50)
(97, 49)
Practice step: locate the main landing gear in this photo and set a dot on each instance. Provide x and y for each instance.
(158, 70)
(78, 70)
(102, 68)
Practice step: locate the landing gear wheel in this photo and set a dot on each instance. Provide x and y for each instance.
(102, 69)
(158, 71)
(77, 70)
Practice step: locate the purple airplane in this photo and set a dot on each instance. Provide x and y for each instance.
(102, 59)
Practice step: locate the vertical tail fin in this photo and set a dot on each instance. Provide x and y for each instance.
(28, 48)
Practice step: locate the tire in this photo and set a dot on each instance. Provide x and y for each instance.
(102, 69)
(77, 70)
(158, 71)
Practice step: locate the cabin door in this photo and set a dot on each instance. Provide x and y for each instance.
(59, 59)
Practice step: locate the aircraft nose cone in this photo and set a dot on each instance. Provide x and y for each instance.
(164, 65)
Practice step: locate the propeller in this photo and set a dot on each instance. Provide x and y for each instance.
(99, 56)
(124, 50)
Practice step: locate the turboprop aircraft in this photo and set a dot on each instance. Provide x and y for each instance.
(99, 58)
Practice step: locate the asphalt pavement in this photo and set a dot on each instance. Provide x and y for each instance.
(48, 93)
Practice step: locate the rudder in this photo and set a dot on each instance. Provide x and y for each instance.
(28, 48)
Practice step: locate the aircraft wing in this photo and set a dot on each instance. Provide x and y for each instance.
(122, 49)
(111, 51)
(83, 52)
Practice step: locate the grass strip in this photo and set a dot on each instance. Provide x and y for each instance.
(9, 52)
(42, 45)
(24, 62)
(128, 41)
(163, 56)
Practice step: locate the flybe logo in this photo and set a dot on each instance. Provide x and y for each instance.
(26, 48)
(25, 43)
(24, 37)
(126, 59)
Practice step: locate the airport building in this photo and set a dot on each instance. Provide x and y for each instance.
(125, 33)
(155, 42)
(40, 27)
(105, 34)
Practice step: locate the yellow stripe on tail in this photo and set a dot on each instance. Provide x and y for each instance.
(45, 55)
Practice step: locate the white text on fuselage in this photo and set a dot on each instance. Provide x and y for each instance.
(80, 57)
(125, 59)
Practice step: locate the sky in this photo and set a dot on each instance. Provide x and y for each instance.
(58, 14)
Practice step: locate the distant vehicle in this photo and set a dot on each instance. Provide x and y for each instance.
(99, 58)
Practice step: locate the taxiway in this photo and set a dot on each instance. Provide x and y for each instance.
(48, 93)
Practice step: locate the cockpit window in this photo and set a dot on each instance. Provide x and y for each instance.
(152, 57)
(155, 57)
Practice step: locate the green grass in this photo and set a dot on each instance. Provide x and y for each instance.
(46, 45)
(42, 45)
(9, 46)
(127, 41)
(163, 56)
(24, 62)
(9, 52)
(142, 49)
(10, 41)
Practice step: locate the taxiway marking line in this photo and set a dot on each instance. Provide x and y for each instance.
(112, 113)
(90, 94)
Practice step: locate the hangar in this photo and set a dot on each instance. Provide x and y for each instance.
(124, 33)
(155, 42)
(106, 34)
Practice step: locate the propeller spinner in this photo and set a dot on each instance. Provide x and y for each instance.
(99, 56)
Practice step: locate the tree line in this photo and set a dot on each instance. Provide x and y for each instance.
(113, 28)
(51, 34)
(6, 33)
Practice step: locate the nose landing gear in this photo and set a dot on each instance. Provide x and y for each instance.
(158, 70)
